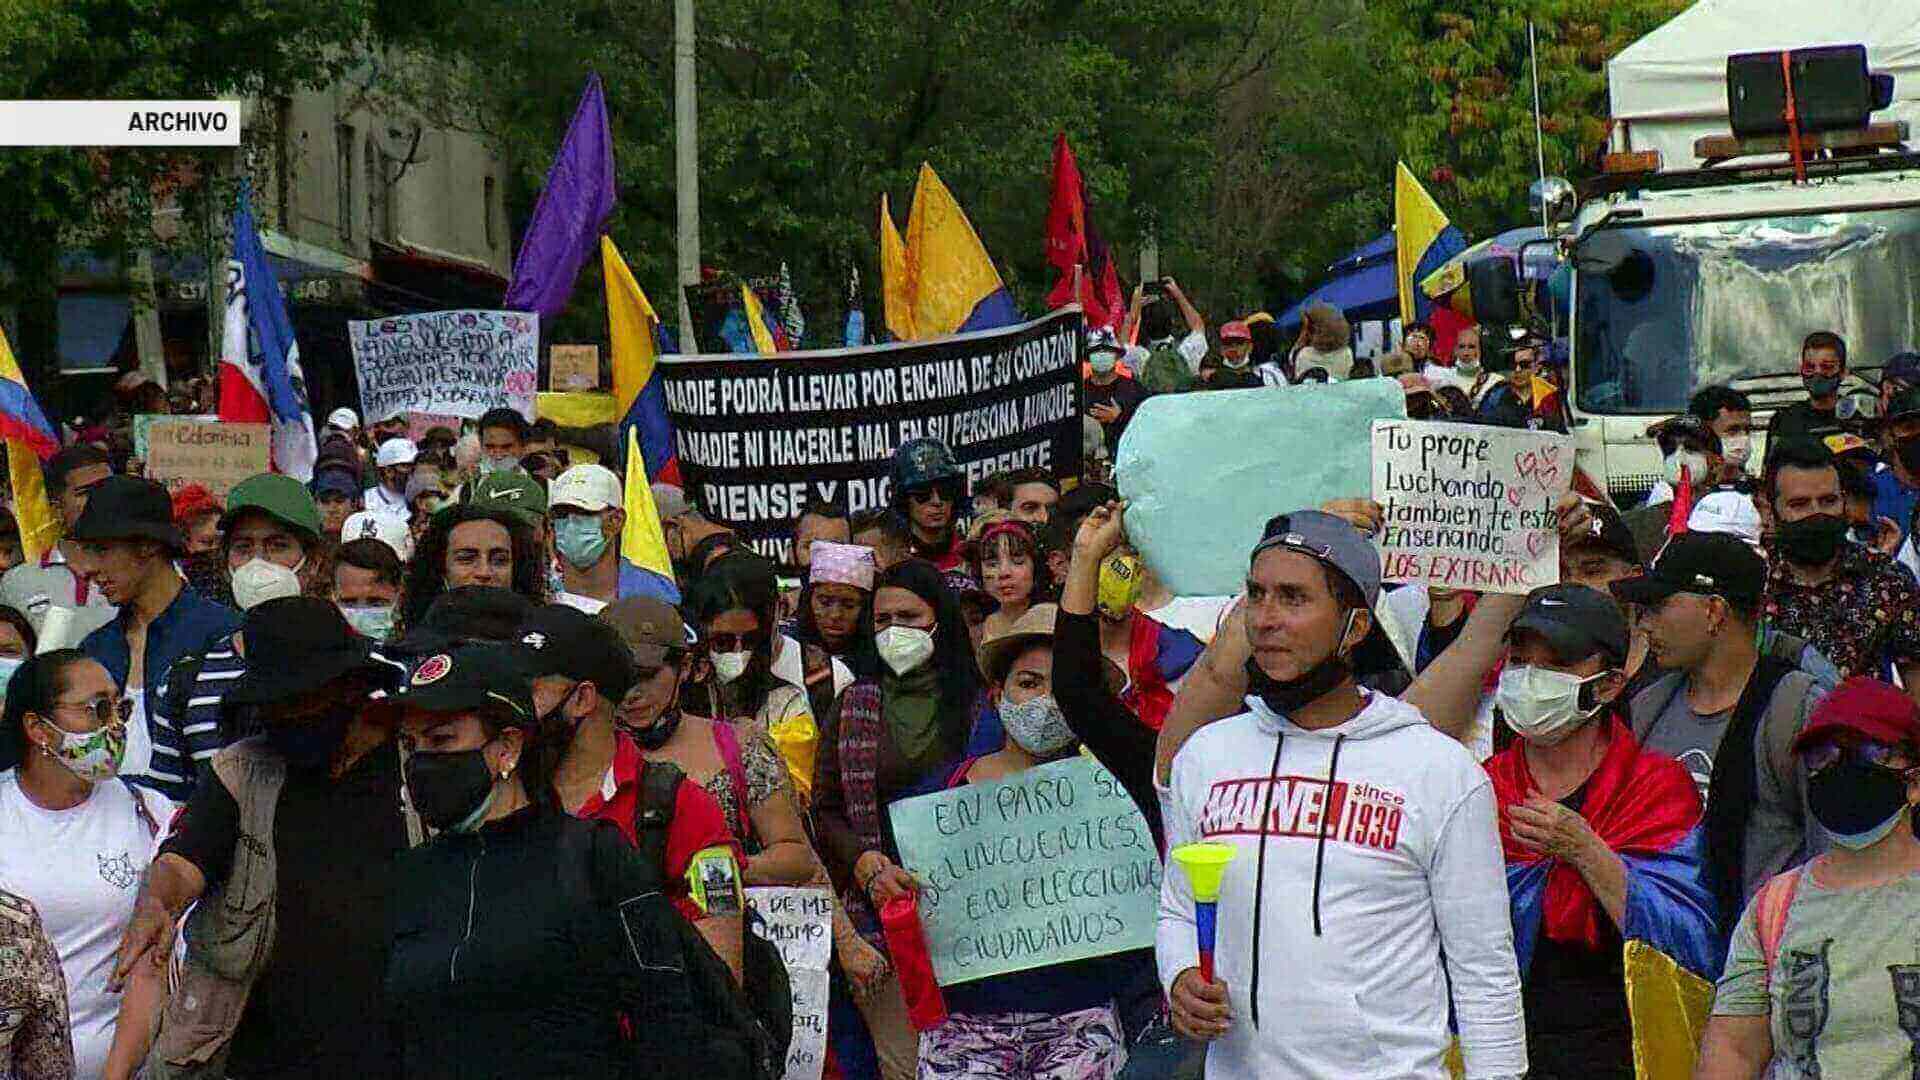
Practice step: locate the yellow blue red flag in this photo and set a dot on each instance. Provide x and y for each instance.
(1423, 240)
(643, 544)
(637, 389)
(950, 282)
(30, 439)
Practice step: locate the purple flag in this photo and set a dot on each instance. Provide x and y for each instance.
(571, 212)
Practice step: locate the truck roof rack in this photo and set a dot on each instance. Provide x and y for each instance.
(1686, 179)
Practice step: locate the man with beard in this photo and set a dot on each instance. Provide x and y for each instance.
(1723, 708)
(288, 853)
(1857, 606)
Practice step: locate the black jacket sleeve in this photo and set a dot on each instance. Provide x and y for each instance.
(1116, 738)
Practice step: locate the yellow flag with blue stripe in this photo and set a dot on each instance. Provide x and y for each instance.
(642, 542)
(956, 288)
(1418, 224)
(29, 438)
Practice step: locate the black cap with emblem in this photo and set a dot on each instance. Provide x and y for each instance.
(561, 640)
(471, 677)
(1576, 621)
(1706, 563)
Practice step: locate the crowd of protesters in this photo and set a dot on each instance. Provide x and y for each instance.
(405, 772)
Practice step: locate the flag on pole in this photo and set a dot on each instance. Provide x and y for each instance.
(956, 288)
(1423, 240)
(643, 544)
(30, 438)
(260, 377)
(756, 315)
(571, 211)
(637, 391)
(896, 277)
(1072, 241)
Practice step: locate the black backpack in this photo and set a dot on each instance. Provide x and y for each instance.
(766, 993)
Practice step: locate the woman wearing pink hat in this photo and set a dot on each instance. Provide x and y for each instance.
(839, 583)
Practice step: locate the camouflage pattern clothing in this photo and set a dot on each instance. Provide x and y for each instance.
(35, 1043)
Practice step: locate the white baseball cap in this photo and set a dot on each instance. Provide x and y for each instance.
(588, 487)
(396, 451)
(389, 529)
(1726, 512)
(344, 419)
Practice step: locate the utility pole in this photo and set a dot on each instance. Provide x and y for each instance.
(686, 160)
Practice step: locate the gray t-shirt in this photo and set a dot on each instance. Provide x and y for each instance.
(1689, 738)
(1846, 973)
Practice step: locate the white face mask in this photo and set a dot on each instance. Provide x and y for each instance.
(1736, 449)
(258, 581)
(1542, 706)
(1103, 362)
(729, 666)
(1693, 461)
(904, 648)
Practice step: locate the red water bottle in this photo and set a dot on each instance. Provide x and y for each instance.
(907, 946)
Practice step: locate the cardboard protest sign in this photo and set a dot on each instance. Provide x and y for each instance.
(144, 421)
(759, 437)
(1203, 472)
(573, 367)
(418, 424)
(1052, 865)
(455, 363)
(1470, 507)
(799, 922)
(185, 450)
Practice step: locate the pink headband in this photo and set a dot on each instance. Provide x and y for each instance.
(841, 564)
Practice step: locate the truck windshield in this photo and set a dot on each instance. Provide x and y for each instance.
(1665, 309)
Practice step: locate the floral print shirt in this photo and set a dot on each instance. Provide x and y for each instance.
(1866, 614)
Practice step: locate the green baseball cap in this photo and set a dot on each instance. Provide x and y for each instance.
(513, 491)
(282, 498)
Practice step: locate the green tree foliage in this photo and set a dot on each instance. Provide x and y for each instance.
(1460, 70)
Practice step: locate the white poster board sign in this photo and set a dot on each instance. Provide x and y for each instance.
(799, 922)
(454, 363)
(1469, 507)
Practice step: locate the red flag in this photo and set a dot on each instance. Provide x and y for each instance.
(1682, 504)
(1073, 242)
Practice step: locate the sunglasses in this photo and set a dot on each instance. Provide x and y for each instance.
(103, 708)
(948, 493)
(721, 643)
(1866, 751)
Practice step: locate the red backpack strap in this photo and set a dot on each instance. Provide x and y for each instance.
(1770, 907)
(727, 741)
(958, 777)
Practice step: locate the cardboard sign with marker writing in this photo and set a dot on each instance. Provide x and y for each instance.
(1469, 507)
(799, 923)
(573, 367)
(185, 451)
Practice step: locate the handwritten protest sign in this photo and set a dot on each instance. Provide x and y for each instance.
(799, 922)
(457, 363)
(761, 436)
(182, 450)
(1052, 865)
(1470, 507)
(418, 424)
(1203, 472)
(573, 367)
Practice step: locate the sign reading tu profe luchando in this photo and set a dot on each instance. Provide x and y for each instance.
(1469, 507)
(759, 437)
(454, 363)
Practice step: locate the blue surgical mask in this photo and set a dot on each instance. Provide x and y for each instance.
(579, 540)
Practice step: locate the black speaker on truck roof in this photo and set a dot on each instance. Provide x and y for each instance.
(1832, 90)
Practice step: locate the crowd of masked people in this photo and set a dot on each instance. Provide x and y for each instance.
(404, 772)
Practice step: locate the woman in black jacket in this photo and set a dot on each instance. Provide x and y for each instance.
(527, 942)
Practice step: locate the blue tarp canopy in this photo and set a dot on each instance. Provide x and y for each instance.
(1365, 285)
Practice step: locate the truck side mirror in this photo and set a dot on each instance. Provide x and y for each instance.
(1493, 289)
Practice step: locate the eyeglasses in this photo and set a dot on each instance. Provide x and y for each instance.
(947, 493)
(1864, 750)
(103, 707)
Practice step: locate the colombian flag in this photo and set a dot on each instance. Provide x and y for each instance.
(640, 397)
(1647, 809)
(1158, 657)
(30, 439)
(941, 273)
(645, 567)
(1423, 240)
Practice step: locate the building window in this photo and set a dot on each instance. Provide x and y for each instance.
(488, 196)
(343, 177)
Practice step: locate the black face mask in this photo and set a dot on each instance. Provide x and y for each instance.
(1908, 451)
(659, 733)
(447, 788)
(1821, 385)
(1287, 697)
(1813, 541)
(1854, 799)
(308, 744)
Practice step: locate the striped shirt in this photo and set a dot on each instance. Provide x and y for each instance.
(181, 743)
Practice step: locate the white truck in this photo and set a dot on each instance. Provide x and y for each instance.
(1694, 273)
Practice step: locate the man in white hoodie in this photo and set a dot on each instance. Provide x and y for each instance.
(1367, 878)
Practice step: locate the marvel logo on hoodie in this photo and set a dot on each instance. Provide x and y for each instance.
(1367, 879)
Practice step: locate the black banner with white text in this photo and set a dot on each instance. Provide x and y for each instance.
(759, 437)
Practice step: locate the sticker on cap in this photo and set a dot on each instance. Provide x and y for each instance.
(534, 640)
(432, 669)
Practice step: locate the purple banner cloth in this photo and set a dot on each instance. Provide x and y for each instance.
(571, 212)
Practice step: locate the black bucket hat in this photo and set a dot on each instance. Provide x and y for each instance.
(129, 508)
(297, 644)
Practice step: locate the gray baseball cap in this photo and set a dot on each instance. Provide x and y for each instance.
(1328, 539)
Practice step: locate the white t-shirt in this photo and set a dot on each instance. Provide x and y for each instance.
(139, 756)
(379, 498)
(81, 868)
(580, 601)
